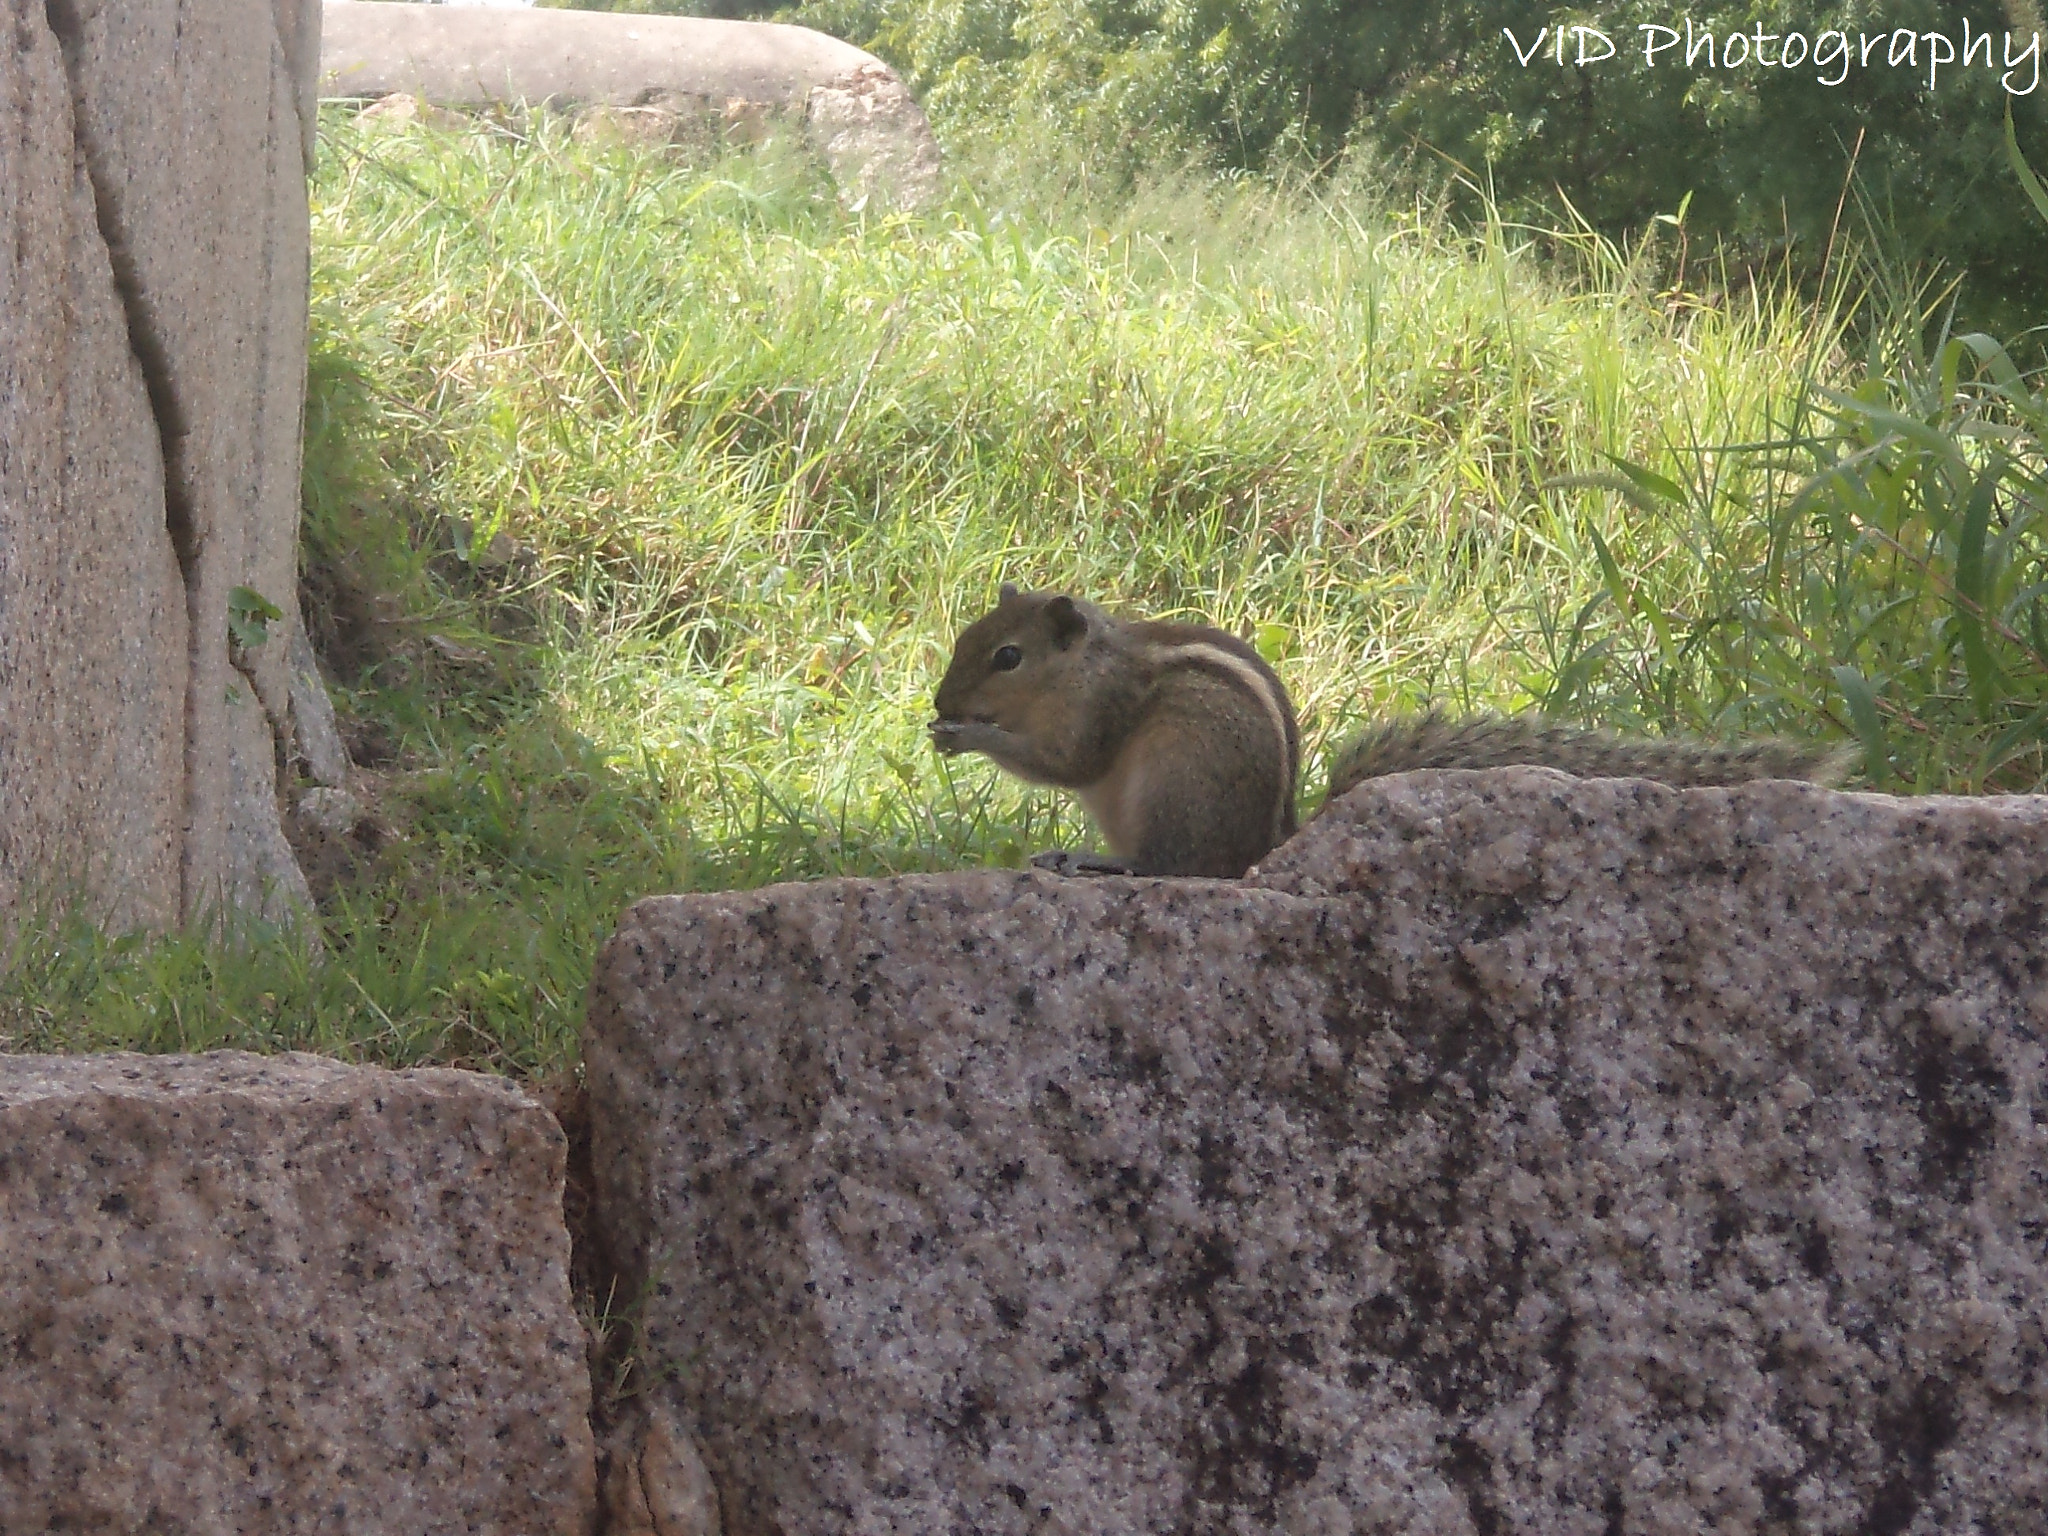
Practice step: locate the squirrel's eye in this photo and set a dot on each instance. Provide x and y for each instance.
(1009, 659)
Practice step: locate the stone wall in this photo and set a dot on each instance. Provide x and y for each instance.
(153, 249)
(1510, 1154)
(281, 1294)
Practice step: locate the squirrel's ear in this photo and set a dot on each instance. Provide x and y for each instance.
(1009, 591)
(1067, 619)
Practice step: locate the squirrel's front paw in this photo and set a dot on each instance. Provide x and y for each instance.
(954, 736)
(1058, 861)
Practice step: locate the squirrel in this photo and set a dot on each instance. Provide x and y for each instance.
(1178, 738)
(1182, 742)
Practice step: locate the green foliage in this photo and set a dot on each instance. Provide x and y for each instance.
(1880, 557)
(1764, 154)
(2029, 182)
(1899, 584)
(250, 615)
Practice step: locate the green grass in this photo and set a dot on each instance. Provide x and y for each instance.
(644, 499)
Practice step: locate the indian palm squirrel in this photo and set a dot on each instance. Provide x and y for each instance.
(1183, 745)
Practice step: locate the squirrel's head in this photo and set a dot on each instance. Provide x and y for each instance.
(1014, 661)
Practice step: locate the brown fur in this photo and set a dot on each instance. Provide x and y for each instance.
(1499, 741)
(1180, 739)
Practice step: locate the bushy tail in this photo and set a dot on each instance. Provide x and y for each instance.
(1434, 740)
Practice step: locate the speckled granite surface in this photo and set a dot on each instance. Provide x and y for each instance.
(1511, 1154)
(247, 1294)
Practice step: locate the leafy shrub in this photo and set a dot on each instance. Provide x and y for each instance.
(1759, 155)
(1882, 561)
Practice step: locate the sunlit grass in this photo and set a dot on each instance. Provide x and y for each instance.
(674, 483)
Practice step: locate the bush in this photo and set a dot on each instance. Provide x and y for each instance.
(1760, 156)
(1897, 584)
